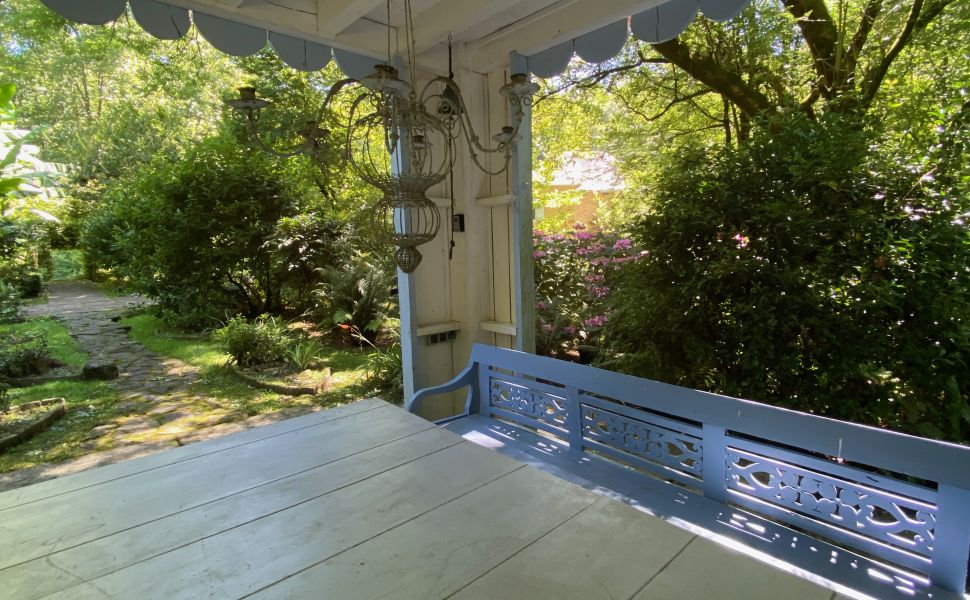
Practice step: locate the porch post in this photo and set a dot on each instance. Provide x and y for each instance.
(406, 290)
(521, 175)
(409, 329)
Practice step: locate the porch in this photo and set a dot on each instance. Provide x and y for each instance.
(361, 501)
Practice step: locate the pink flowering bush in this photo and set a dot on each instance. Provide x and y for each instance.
(574, 273)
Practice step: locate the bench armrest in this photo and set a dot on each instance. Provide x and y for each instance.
(467, 378)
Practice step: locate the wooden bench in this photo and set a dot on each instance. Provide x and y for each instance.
(879, 512)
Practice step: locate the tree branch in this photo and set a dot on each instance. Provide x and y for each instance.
(869, 14)
(712, 74)
(821, 36)
(654, 117)
(917, 20)
(599, 76)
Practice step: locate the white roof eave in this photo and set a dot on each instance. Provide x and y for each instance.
(548, 39)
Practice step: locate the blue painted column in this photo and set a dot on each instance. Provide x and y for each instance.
(522, 215)
(406, 285)
(409, 328)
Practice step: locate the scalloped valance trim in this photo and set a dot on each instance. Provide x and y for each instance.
(168, 22)
(658, 24)
(654, 25)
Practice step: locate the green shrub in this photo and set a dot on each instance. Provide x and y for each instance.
(300, 248)
(385, 372)
(23, 356)
(303, 353)
(4, 397)
(809, 270)
(10, 303)
(25, 255)
(253, 343)
(224, 230)
(68, 265)
(356, 294)
(574, 275)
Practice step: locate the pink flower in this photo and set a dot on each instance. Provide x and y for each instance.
(540, 254)
(600, 291)
(597, 321)
(595, 278)
(579, 226)
(622, 244)
(538, 233)
(542, 305)
(741, 240)
(569, 330)
(584, 235)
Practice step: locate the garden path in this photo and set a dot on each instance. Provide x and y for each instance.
(159, 409)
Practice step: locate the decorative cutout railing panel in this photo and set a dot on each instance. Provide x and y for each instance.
(541, 406)
(667, 447)
(902, 522)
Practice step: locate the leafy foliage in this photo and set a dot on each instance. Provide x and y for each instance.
(302, 353)
(211, 233)
(22, 356)
(10, 303)
(24, 239)
(356, 294)
(574, 274)
(253, 343)
(300, 247)
(384, 369)
(809, 270)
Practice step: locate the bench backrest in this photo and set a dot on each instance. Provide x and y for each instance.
(896, 497)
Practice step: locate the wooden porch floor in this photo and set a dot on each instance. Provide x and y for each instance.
(362, 501)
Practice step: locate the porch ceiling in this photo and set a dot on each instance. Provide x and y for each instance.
(548, 32)
(490, 29)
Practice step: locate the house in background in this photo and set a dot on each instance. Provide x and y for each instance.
(576, 191)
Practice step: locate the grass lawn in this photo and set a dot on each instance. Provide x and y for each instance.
(62, 346)
(218, 396)
(218, 383)
(90, 403)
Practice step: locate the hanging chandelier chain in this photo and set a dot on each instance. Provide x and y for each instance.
(400, 141)
(389, 28)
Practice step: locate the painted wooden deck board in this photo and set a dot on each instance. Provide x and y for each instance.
(64, 485)
(587, 544)
(135, 499)
(707, 570)
(365, 502)
(61, 570)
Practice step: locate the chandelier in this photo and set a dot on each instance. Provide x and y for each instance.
(400, 140)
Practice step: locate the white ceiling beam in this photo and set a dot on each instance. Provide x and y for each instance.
(334, 16)
(454, 16)
(555, 24)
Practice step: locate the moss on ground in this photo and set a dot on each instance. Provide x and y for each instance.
(90, 403)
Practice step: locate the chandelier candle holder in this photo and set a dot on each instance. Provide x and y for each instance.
(398, 140)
